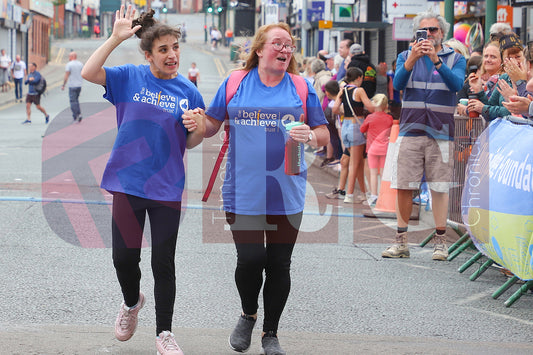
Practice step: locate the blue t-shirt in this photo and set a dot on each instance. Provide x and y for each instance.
(147, 157)
(255, 181)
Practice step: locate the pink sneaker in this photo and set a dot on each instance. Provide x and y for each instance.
(126, 322)
(166, 344)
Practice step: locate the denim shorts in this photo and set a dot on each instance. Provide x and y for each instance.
(351, 134)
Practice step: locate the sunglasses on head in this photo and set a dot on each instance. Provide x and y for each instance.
(430, 29)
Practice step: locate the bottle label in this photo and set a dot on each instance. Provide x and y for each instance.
(293, 157)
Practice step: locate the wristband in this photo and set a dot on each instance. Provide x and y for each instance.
(437, 62)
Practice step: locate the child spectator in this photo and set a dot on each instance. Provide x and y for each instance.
(352, 100)
(334, 147)
(377, 128)
(194, 74)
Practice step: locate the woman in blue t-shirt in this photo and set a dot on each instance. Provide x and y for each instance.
(263, 204)
(145, 171)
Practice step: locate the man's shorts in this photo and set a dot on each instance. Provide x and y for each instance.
(351, 134)
(33, 99)
(415, 155)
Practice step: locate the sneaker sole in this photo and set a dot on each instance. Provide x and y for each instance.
(439, 258)
(391, 256)
(236, 350)
(335, 197)
(158, 353)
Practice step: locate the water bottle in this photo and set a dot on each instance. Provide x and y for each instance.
(293, 152)
(472, 114)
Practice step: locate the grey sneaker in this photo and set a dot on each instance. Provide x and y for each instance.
(440, 251)
(398, 250)
(270, 344)
(336, 194)
(241, 337)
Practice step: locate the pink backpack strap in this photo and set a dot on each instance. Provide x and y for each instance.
(232, 85)
(301, 90)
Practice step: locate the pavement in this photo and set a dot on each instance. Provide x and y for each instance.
(70, 340)
(339, 336)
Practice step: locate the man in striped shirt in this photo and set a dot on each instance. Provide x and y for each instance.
(430, 75)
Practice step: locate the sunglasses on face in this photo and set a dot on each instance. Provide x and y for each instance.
(430, 29)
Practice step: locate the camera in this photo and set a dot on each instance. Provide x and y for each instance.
(421, 35)
(472, 69)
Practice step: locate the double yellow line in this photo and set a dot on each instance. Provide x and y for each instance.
(220, 67)
(59, 56)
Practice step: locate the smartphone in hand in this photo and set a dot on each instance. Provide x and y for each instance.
(421, 35)
(472, 69)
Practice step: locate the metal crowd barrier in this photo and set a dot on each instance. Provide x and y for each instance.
(466, 132)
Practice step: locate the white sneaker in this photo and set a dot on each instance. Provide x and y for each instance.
(360, 197)
(371, 201)
(357, 198)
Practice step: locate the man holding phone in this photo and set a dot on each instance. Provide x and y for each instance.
(430, 76)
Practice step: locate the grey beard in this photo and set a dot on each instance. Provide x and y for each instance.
(436, 42)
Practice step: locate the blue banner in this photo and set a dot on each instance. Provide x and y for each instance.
(497, 201)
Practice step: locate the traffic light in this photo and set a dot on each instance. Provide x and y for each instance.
(165, 9)
(219, 9)
(210, 6)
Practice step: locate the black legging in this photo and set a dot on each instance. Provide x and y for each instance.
(275, 258)
(129, 213)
